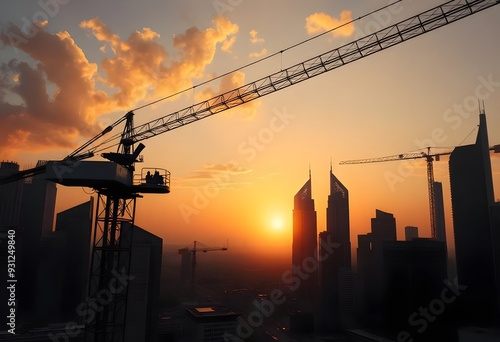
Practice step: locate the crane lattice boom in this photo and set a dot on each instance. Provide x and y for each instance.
(400, 32)
(412, 27)
(396, 157)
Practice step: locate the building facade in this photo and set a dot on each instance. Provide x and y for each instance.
(475, 227)
(304, 245)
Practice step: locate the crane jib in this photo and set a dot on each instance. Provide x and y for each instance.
(392, 35)
(402, 31)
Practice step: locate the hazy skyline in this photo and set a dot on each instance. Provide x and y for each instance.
(234, 175)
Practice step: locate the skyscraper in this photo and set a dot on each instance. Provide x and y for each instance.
(304, 245)
(371, 267)
(36, 220)
(384, 225)
(10, 197)
(415, 274)
(411, 233)
(475, 227)
(338, 262)
(10, 205)
(76, 225)
(144, 286)
(337, 218)
(439, 212)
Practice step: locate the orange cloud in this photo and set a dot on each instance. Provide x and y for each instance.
(321, 22)
(34, 116)
(254, 39)
(219, 175)
(147, 66)
(259, 54)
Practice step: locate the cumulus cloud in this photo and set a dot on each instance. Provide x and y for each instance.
(35, 116)
(321, 22)
(258, 54)
(254, 39)
(53, 98)
(149, 70)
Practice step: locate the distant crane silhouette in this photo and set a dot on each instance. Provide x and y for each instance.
(197, 248)
(430, 174)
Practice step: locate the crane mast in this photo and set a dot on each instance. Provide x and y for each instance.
(432, 195)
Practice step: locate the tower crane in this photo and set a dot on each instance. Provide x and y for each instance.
(118, 187)
(197, 248)
(429, 158)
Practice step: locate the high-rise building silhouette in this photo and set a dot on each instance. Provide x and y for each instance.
(60, 285)
(476, 229)
(415, 274)
(10, 197)
(384, 226)
(335, 263)
(337, 218)
(143, 286)
(371, 289)
(36, 220)
(10, 206)
(76, 225)
(304, 256)
(439, 212)
(411, 233)
(305, 243)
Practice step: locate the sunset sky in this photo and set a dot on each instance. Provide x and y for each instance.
(234, 175)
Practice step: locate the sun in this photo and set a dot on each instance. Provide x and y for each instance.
(277, 223)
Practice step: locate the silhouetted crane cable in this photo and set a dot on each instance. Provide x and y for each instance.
(117, 136)
(411, 27)
(268, 57)
(404, 30)
(468, 135)
(378, 41)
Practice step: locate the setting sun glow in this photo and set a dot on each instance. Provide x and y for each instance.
(277, 223)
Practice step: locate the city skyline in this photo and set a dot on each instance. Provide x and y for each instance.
(393, 278)
(233, 159)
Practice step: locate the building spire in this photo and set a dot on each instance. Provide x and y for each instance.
(331, 169)
(481, 108)
(309, 170)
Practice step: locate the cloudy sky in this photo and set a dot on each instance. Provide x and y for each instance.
(69, 68)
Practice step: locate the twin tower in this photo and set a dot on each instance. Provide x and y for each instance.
(318, 264)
